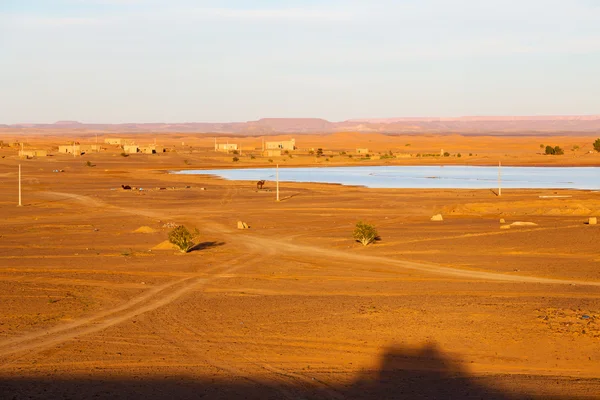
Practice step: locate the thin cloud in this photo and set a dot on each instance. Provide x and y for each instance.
(301, 14)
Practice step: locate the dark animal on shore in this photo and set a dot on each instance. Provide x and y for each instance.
(260, 184)
(126, 187)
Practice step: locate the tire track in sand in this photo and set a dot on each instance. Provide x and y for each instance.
(147, 301)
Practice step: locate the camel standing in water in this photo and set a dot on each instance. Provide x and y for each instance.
(260, 184)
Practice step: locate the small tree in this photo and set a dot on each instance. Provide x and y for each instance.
(558, 151)
(365, 233)
(235, 159)
(182, 238)
(597, 145)
(550, 150)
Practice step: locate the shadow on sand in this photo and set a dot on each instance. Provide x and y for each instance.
(206, 245)
(403, 374)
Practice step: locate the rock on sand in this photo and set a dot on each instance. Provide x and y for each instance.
(437, 217)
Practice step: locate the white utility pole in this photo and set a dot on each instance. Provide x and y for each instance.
(20, 203)
(277, 179)
(499, 179)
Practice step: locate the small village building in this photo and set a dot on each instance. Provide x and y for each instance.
(78, 149)
(283, 145)
(226, 147)
(70, 149)
(33, 153)
(362, 151)
(152, 149)
(272, 153)
(130, 148)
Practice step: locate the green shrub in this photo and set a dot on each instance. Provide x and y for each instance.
(597, 145)
(182, 238)
(458, 155)
(446, 154)
(365, 233)
(554, 150)
(235, 159)
(270, 160)
(123, 154)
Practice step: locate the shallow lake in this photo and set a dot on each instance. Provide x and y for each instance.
(424, 177)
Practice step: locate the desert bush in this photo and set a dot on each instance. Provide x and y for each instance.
(597, 145)
(558, 151)
(554, 150)
(123, 154)
(270, 160)
(235, 159)
(319, 152)
(89, 164)
(235, 152)
(365, 233)
(446, 154)
(252, 157)
(459, 155)
(182, 238)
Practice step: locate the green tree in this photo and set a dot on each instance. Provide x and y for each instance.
(558, 151)
(597, 145)
(365, 233)
(182, 238)
(550, 150)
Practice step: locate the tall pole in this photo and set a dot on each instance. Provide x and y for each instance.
(20, 203)
(277, 175)
(499, 179)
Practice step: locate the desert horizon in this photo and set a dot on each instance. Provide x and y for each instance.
(318, 200)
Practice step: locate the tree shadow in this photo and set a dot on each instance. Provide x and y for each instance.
(206, 245)
(403, 373)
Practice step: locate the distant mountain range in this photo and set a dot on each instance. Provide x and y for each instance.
(464, 125)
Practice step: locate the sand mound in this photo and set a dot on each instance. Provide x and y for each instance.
(145, 229)
(166, 245)
(521, 223)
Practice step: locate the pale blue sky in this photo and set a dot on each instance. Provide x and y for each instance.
(183, 60)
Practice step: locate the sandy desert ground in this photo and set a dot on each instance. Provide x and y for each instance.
(95, 304)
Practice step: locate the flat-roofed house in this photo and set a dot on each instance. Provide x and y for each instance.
(282, 145)
(33, 153)
(130, 148)
(226, 147)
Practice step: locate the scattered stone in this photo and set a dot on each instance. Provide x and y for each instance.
(504, 226)
(521, 223)
(242, 225)
(593, 221)
(502, 221)
(437, 217)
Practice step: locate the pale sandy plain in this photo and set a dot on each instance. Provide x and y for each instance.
(93, 304)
